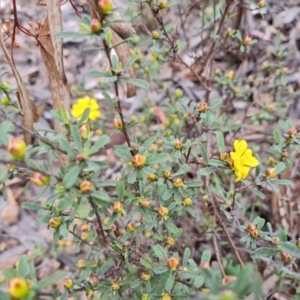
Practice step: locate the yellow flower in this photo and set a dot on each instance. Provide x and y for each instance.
(242, 159)
(83, 103)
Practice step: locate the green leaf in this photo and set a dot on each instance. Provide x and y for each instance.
(264, 252)
(220, 141)
(199, 281)
(159, 158)
(132, 176)
(206, 171)
(136, 283)
(31, 206)
(101, 196)
(258, 193)
(216, 163)
(191, 211)
(72, 175)
(3, 173)
(215, 104)
(23, 266)
(206, 256)
(170, 282)
(76, 137)
(101, 142)
(186, 256)
(137, 82)
(281, 181)
(203, 152)
(194, 184)
(277, 136)
(146, 263)
(84, 116)
(280, 167)
(182, 171)
(122, 153)
(161, 270)
(71, 35)
(130, 62)
(160, 252)
(290, 248)
(53, 278)
(120, 186)
(83, 208)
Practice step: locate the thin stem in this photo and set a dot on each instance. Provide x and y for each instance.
(99, 229)
(119, 107)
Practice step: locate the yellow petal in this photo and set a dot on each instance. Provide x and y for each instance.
(250, 160)
(240, 146)
(245, 172)
(94, 115)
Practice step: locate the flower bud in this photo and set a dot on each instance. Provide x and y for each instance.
(68, 284)
(144, 203)
(55, 222)
(81, 264)
(167, 174)
(84, 131)
(89, 294)
(80, 157)
(270, 173)
(17, 288)
(224, 156)
(205, 198)
(131, 227)
(177, 144)
(4, 86)
(228, 279)
(292, 131)
(173, 263)
(152, 177)
(170, 241)
(145, 297)
(271, 161)
(284, 154)
(5, 101)
(39, 179)
(117, 123)
(230, 75)
(118, 207)
(138, 161)
(86, 187)
(254, 233)
(177, 182)
(84, 228)
(70, 297)
(275, 241)
(203, 107)
(94, 280)
(145, 276)
(163, 211)
(85, 236)
(95, 26)
(261, 4)
(163, 4)
(187, 201)
(285, 257)
(247, 40)
(105, 6)
(178, 93)
(115, 286)
(17, 148)
(251, 227)
(204, 265)
(155, 35)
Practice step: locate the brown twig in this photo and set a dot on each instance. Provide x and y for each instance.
(217, 250)
(213, 44)
(99, 229)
